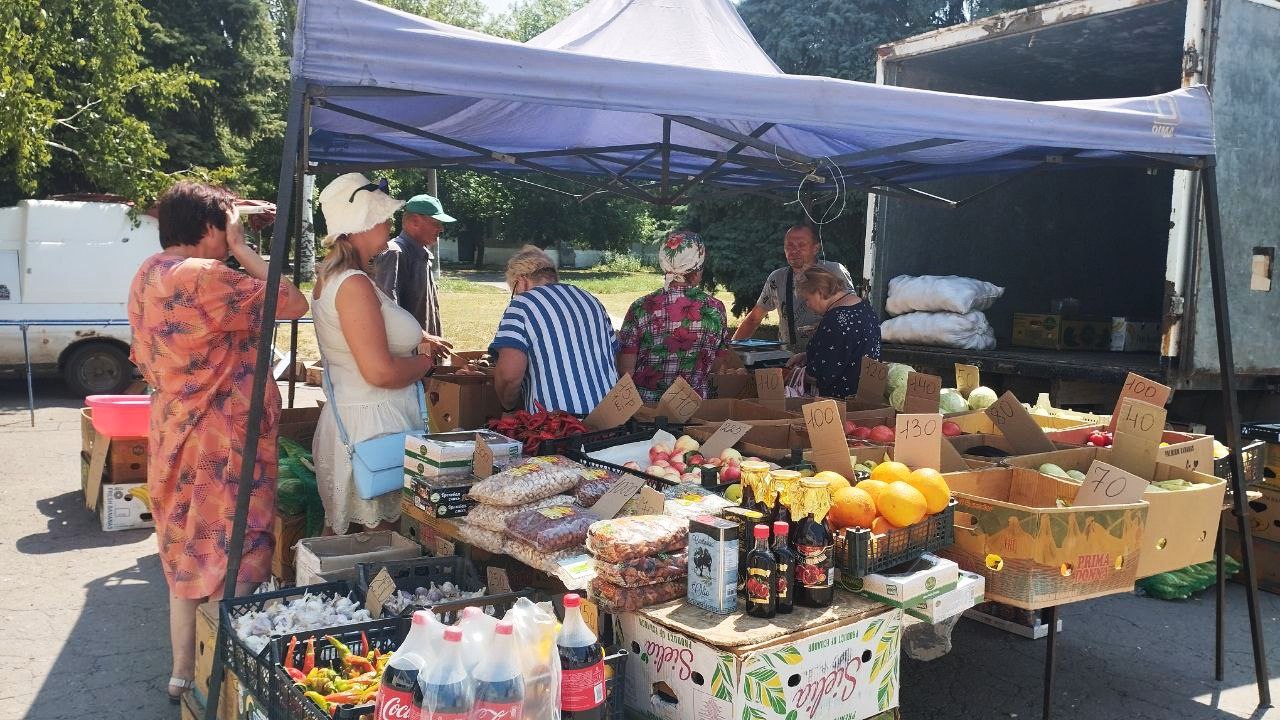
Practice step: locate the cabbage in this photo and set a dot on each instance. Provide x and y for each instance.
(951, 402)
(980, 398)
(898, 397)
(898, 375)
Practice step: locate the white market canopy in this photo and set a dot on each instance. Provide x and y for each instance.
(663, 99)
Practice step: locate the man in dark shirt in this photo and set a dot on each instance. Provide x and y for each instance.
(404, 271)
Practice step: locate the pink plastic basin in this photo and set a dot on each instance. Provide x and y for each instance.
(121, 415)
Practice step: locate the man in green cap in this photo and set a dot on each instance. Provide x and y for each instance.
(404, 271)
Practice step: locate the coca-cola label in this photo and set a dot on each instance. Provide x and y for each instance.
(395, 705)
(582, 689)
(497, 711)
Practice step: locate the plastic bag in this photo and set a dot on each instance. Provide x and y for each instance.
(924, 642)
(477, 631)
(639, 536)
(970, 331)
(939, 293)
(551, 563)
(296, 490)
(487, 540)
(494, 517)
(595, 483)
(536, 628)
(664, 567)
(690, 501)
(615, 598)
(539, 478)
(551, 529)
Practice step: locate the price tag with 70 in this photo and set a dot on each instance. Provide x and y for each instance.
(1109, 485)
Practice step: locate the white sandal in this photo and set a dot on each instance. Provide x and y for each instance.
(182, 685)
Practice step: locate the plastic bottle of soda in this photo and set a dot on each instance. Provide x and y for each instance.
(499, 683)
(581, 666)
(399, 697)
(786, 558)
(446, 689)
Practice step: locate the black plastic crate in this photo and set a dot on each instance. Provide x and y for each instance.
(256, 670)
(615, 685)
(859, 554)
(1253, 457)
(386, 635)
(1266, 432)
(420, 572)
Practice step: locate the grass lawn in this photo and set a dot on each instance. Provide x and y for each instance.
(471, 305)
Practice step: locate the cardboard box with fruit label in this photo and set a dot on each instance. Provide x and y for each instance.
(839, 671)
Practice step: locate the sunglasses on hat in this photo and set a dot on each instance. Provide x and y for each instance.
(371, 187)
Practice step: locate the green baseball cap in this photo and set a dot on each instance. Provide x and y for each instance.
(429, 206)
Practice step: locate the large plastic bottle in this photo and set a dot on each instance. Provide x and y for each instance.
(499, 683)
(399, 697)
(582, 690)
(446, 690)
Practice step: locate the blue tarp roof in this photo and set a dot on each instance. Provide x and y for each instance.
(648, 89)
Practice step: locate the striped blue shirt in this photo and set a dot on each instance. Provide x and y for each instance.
(569, 340)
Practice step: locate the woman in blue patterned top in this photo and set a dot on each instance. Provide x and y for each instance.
(849, 330)
(555, 343)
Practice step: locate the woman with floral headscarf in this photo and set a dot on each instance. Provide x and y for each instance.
(677, 331)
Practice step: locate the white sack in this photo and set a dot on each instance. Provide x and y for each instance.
(936, 293)
(970, 331)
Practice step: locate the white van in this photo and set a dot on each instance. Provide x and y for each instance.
(71, 262)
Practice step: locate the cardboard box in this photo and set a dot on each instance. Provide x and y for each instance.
(1181, 527)
(288, 530)
(964, 443)
(324, 559)
(1055, 332)
(126, 458)
(1191, 451)
(868, 414)
(1266, 561)
(1133, 336)
(977, 421)
(731, 386)
(118, 510)
(838, 671)
(437, 506)
(767, 439)
(1265, 517)
(461, 402)
(429, 532)
(1034, 554)
(921, 581)
(742, 410)
(462, 358)
(968, 592)
(449, 455)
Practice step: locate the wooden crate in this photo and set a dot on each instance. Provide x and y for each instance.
(288, 531)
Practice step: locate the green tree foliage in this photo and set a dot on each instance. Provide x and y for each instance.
(836, 38)
(75, 97)
(529, 18)
(237, 122)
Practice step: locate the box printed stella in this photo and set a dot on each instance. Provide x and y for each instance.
(849, 672)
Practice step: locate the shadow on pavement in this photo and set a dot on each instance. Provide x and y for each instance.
(72, 527)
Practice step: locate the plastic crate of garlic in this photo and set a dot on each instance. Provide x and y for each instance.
(309, 612)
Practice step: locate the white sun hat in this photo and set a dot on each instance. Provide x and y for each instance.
(352, 204)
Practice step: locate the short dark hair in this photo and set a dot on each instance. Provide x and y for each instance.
(187, 209)
(813, 232)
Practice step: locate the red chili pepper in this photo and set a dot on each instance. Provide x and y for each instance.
(309, 660)
(364, 644)
(296, 675)
(288, 658)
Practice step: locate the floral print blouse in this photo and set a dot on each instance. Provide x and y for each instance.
(676, 332)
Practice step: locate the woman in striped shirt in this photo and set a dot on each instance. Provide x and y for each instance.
(555, 342)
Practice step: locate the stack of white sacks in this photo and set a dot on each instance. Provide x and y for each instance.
(940, 310)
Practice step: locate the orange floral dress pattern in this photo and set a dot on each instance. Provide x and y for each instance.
(195, 336)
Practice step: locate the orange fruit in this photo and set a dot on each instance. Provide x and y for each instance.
(930, 484)
(852, 507)
(836, 482)
(880, 526)
(873, 488)
(902, 505)
(890, 472)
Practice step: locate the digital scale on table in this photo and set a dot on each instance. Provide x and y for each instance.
(760, 353)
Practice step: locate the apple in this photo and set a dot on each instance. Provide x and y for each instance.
(730, 473)
(677, 466)
(686, 444)
(730, 454)
(850, 427)
(663, 463)
(631, 464)
(861, 433)
(656, 470)
(659, 450)
(694, 458)
(691, 477)
(882, 435)
(714, 462)
(951, 429)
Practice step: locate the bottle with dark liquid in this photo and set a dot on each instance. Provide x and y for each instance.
(581, 666)
(762, 577)
(498, 681)
(786, 559)
(815, 581)
(787, 485)
(755, 476)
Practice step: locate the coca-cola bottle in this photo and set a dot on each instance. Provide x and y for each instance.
(445, 687)
(499, 683)
(399, 697)
(581, 666)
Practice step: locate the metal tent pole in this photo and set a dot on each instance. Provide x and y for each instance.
(299, 235)
(1231, 413)
(261, 373)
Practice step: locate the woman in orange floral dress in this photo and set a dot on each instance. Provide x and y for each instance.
(196, 324)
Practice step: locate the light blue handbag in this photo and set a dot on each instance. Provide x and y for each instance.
(377, 464)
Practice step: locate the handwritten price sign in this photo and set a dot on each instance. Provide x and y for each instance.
(726, 436)
(1139, 426)
(968, 377)
(770, 386)
(919, 440)
(1109, 485)
(873, 378)
(617, 407)
(1141, 389)
(1016, 424)
(923, 393)
(826, 433)
(679, 402)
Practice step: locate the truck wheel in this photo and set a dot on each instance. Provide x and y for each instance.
(98, 369)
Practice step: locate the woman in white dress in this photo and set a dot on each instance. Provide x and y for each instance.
(374, 351)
